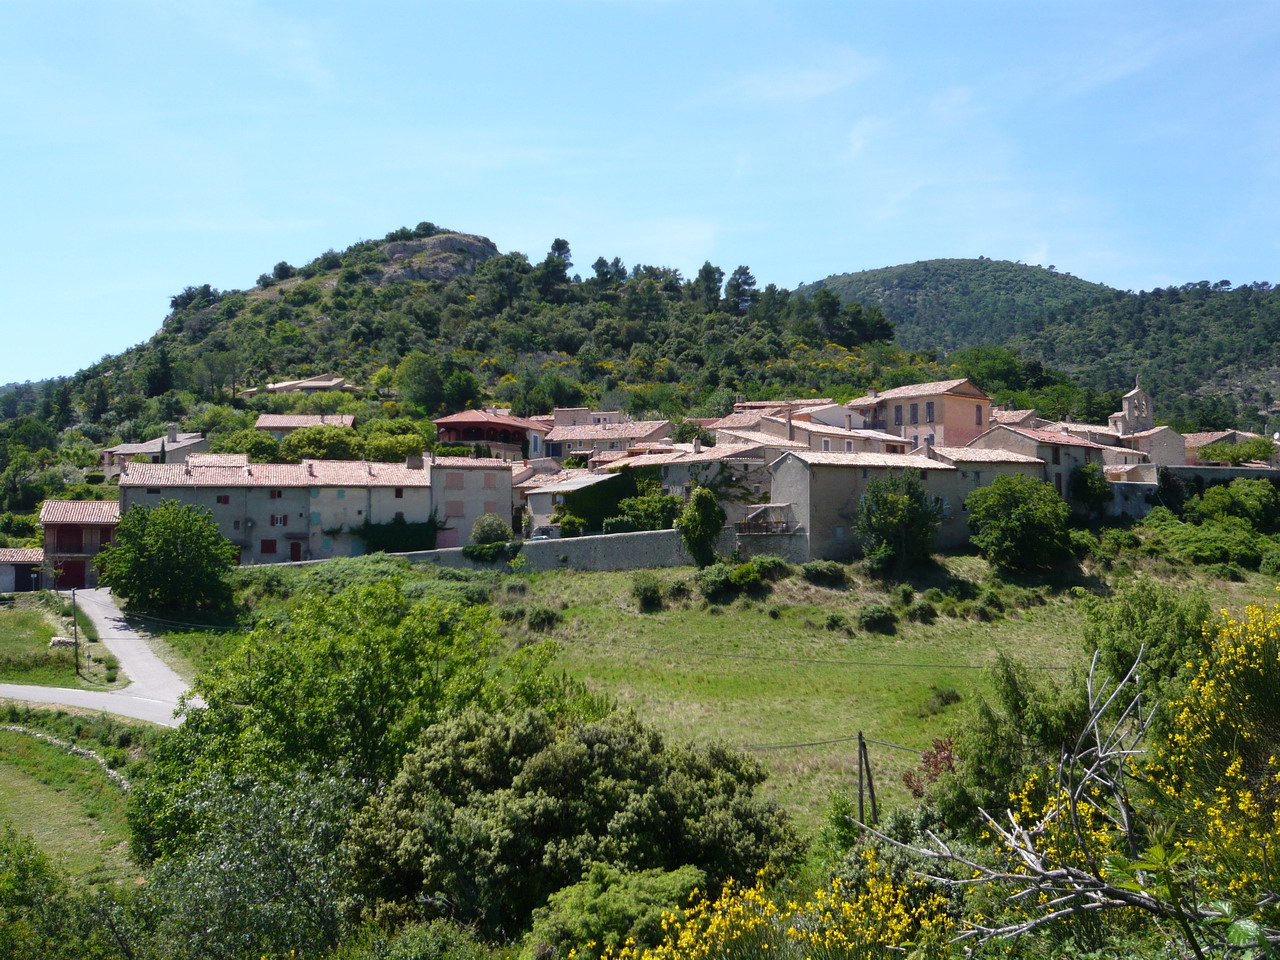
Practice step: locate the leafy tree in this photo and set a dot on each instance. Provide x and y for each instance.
(490, 528)
(282, 271)
(897, 521)
(261, 446)
(1254, 501)
(1255, 448)
(168, 556)
(700, 524)
(655, 511)
(1089, 488)
(1019, 523)
(493, 814)
(322, 442)
(740, 292)
(420, 380)
(706, 287)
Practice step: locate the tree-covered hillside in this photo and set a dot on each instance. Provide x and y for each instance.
(1188, 344)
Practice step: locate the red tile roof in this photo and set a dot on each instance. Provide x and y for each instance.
(86, 511)
(932, 389)
(630, 430)
(309, 473)
(980, 455)
(21, 555)
(275, 421)
(467, 417)
(834, 459)
(1060, 439)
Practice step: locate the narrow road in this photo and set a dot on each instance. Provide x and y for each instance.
(154, 689)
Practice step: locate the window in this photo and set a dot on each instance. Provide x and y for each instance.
(1057, 455)
(1057, 483)
(977, 414)
(153, 489)
(826, 444)
(897, 415)
(915, 440)
(224, 498)
(839, 531)
(342, 494)
(453, 480)
(1088, 456)
(268, 546)
(848, 446)
(977, 476)
(915, 413)
(453, 508)
(928, 412)
(864, 473)
(491, 506)
(491, 481)
(235, 524)
(275, 494)
(280, 520)
(399, 516)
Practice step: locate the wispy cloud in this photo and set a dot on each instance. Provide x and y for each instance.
(825, 72)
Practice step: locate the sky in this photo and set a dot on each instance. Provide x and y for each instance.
(147, 146)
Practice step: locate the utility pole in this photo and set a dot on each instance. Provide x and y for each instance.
(75, 629)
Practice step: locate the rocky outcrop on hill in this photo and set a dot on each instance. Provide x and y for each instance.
(442, 257)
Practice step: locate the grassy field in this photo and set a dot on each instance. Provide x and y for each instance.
(767, 674)
(68, 805)
(26, 657)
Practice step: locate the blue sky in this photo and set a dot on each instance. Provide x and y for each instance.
(149, 146)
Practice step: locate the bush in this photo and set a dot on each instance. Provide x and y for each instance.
(1270, 564)
(620, 525)
(1225, 571)
(1084, 544)
(543, 618)
(922, 611)
(492, 552)
(647, 590)
(700, 524)
(490, 528)
(897, 522)
(1114, 542)
(877, 618)
(837, 622)
(772, 567)
(715, 582)
(824, 573)
(746, 578)
(571, 525)
(610, 907)
(903, 593)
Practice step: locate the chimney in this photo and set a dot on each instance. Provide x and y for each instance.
(697, 443)
(173, 433)
(873, 392)
(433, 455)
(413, 463)
(791, 428)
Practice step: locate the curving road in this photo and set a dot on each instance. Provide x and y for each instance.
(154, 688)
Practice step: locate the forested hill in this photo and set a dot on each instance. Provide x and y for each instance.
(1196, 339)
(948, 304)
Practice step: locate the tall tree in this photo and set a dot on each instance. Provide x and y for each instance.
(740, 292)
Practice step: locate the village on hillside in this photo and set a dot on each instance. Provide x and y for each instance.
(789, 475)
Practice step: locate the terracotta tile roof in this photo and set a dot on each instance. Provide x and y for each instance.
(979, 455)
(1150, 433)
(931, 389)
(743, 419)
(275, 421)
(87, 511)
(724, 451)
(782, 404)
(490, 463)
(756, 438)
(21, 555)
(1195, 440)
(834, 459)
(1051, 436)
(574, 483)
(631, 430)
(648, 460)
(309, 473)
(218, 460)
(1012, 418)
(485, 417)
(550, 479)
(826, 430)
(154, 446)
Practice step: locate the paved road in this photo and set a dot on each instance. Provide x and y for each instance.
(154, 689)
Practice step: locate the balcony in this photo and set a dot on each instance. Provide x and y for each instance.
(763, 527)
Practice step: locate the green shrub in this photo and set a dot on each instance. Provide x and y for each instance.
(715, 582)
(679, 589)
(647, 590)
(1270, 564)
(922, 611)
(511, 614)
(993, 600)
(620, 525)
(1115, 542)
(490, 528)
(1083, 544)
(934, 595)
(1225, 540)
(877, 618)
(938, 701)
(1225, 571)
(499, 552)
(609, 907)
(903, 593)
(824, 573)
(772, 567)
(745, 578)
(543, 618)
(837, 621)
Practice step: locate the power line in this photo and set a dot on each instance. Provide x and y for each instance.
(823, 743)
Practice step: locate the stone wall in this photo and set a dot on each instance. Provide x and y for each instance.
(1132, 499)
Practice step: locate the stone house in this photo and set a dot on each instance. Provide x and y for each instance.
(508, 437)
(607, 433)
(277, 512)
(76, 531)
(173, 447)
(943, 412)
(1061, 453)
(321, 383)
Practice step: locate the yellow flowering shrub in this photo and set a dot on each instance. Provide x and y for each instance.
(745, 923)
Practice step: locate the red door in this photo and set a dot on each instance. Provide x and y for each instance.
(295, 550)
(70, 575)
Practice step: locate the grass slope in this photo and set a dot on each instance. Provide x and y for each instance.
(26, 657)
(68, 805)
